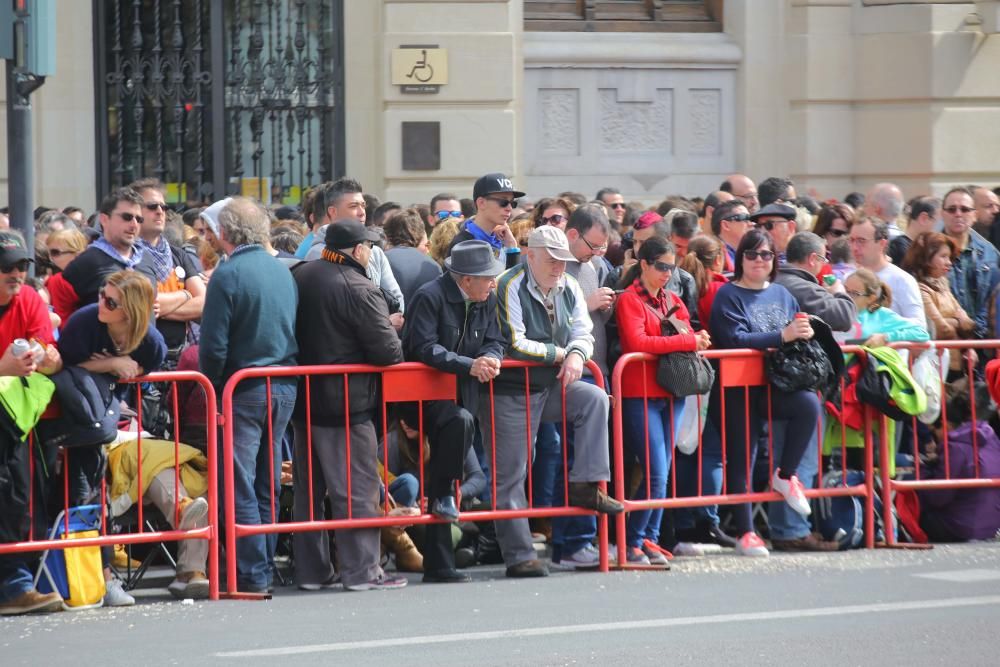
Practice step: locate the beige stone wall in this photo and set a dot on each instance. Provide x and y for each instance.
(62, 118)
(478, 109)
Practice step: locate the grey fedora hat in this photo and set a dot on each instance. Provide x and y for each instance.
(474, 258)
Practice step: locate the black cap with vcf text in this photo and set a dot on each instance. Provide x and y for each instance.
(491, 183)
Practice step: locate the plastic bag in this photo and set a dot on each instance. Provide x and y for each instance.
(928, 374)
(692, 423)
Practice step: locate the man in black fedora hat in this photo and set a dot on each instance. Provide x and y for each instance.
(452, 326)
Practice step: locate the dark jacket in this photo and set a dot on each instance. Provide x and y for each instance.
(442, 333)
(837, 310)
(342, 319)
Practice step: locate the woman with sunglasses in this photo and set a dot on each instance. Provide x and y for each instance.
(754, 312)
(64, 246)
(650, 424)
(552, 211)
(116, 335)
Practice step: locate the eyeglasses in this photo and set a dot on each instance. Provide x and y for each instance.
(839, 232)
(554, 219)
(594, 248)
(747, 196)
(56, 252)
(129, 217)
(765, 255)
(503, 203)
(769, 225)
(955, 209)
(109, 303)
(663, 267)
(859, 240)
(856, 293)
(154, 206)
(444, 215)
(21, 266)
(617, 204)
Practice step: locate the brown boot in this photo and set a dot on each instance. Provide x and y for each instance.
(408, 559)
(589, 496)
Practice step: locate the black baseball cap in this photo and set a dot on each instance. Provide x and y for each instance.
(347, 234)
(12, 249)
(495, 182)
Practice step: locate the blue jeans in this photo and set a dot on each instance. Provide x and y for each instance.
(404, 490)
(711, 481)
(15, 579)
(253, 481)
(786, 523)
(645, 524)
(547, 465)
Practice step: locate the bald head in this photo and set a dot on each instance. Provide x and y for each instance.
(884, 201)
(987, 205)
(742, 188)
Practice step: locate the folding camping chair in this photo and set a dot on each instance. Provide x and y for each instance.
(76, 572)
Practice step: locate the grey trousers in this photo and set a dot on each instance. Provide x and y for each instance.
(586, 412)
(191, 554)
(358, 548)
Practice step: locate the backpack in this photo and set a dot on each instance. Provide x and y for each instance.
(842, 518)
(89, 410)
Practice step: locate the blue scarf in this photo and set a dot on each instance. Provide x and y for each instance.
(108, 249)
(162, 259)
(479, 235)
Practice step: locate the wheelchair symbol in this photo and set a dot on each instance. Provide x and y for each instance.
(422, 71)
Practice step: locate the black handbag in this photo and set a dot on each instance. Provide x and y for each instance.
(681, 373)
(806, 365)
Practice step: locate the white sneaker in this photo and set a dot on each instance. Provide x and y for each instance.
(793, 492)
(193, 513)
(328, 584)
(115, 595)
(689, 549)
(751, 545)
(586, 558)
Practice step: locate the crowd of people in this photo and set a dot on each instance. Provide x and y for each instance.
(460, 285)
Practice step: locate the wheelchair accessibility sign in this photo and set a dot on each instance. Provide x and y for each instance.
(419, 68)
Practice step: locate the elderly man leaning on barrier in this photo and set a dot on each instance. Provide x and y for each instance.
(343, 318)
(453, 327)
(544, 315)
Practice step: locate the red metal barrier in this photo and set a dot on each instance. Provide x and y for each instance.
(920, 482)
(143, 536)
(405, 382)
(737, 369)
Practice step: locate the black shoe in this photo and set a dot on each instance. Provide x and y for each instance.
(465, 557)
(446, 576)
(717, 536)
(487, 547)
(528, 568)
(445, 508)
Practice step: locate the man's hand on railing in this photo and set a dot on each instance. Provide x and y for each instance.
(485, 368)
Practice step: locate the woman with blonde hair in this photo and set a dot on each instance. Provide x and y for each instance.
(64, 246)
(441, 238)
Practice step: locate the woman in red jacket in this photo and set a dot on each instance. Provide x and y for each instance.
(638, 311)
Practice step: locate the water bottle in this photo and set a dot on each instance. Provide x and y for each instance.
(37, 351)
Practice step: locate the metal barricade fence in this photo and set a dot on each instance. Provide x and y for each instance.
(407, 382)
(141, 535)
(933, 471)
(737, 370)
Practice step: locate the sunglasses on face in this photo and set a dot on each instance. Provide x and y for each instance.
(154, 206)
(444, 215)
(554, 219)
(21, 266)
(109, 303)
(769, 225)
(955, 209)
(616, 205)
(838, 233)
(663, 267)
(503, 203)
(765, 255)
(56, 253)
(129, 217)
(739, 217)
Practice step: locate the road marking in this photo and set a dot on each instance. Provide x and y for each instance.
(963, 576)
(466, 637)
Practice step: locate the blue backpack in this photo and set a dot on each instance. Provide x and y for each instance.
(842, 519)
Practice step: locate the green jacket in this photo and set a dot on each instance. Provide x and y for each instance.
(25, 399)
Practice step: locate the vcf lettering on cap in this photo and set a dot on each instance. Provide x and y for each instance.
(505, 184)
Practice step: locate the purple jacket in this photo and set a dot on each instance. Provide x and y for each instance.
(972, 514)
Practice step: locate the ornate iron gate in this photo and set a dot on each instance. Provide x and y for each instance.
(219, 97)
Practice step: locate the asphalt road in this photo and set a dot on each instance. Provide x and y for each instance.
(857, 608)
